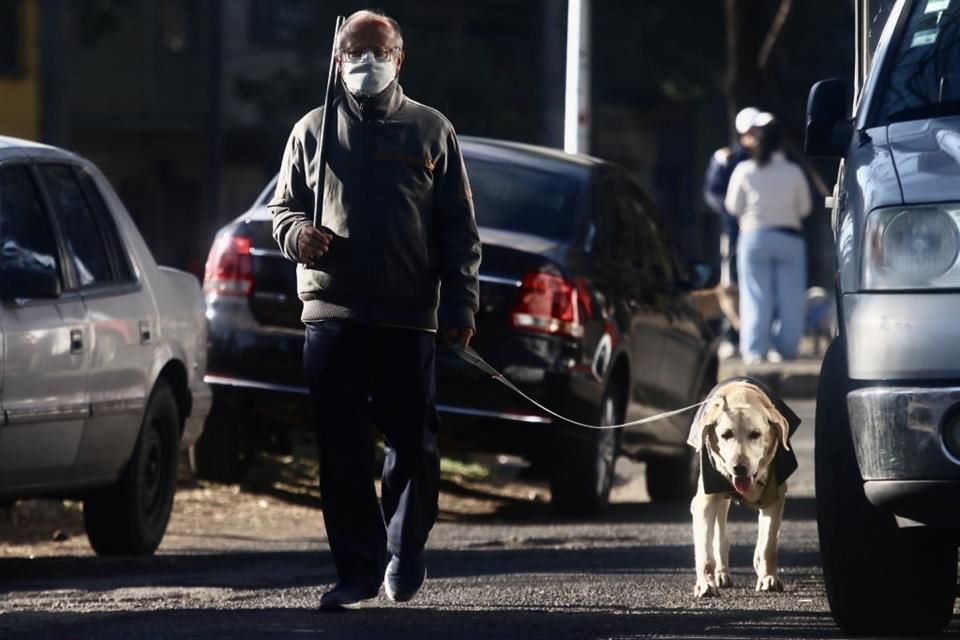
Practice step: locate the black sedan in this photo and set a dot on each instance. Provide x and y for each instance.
(582, 305)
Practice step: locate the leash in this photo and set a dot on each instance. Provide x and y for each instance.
(470, 356)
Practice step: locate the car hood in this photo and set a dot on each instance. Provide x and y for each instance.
(926, 154)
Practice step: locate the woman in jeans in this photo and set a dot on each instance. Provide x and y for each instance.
(769, 196)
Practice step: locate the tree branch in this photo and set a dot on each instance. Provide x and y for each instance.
(775, 28)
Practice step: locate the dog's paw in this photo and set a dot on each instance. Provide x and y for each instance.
(769, 583)
(723, 579)
(706, 590)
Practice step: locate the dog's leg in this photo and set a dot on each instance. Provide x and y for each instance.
(765, 555)
(722, 546)
(704, 508)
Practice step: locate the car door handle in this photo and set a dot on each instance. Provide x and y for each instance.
(76, 341)
(145, 332)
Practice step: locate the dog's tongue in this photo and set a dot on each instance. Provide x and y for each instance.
(742, 485)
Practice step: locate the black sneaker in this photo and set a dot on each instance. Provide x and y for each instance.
(347, 595)
(404, 578)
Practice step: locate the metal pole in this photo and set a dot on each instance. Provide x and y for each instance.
(576, 128)
(554, 42)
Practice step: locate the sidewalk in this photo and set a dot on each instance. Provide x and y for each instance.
(794, 379)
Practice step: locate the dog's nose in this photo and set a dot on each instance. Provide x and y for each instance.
(739, 470)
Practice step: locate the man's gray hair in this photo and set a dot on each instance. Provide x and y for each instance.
(376, 15)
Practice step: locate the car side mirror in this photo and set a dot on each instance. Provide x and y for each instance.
(829, 126)
(19, 281)
(701, 275)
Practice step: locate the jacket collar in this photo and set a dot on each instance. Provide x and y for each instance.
(378, 107)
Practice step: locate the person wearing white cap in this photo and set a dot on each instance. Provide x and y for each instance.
(715, 182)
(770, 197)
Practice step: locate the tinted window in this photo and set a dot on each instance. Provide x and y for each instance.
(80, 229)
(621, 230)
(925, 72)
(118, 250)
(652, 247)
(26, 236)
(518, 198)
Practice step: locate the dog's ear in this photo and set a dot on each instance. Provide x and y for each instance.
(777, 420)
(771, 413)
(705, 421)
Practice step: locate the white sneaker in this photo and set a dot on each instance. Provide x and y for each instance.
(726, 350)
(774, 356)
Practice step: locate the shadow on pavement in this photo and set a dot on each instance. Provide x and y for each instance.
(391, 622)
(565, 554)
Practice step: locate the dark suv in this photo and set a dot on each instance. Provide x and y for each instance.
(581, 305)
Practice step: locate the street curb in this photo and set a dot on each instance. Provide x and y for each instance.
(794, 379)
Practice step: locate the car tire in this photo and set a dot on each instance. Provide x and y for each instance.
(130, 517)
(582, 464)
(673, 479)
(880, 580)
(223, 452)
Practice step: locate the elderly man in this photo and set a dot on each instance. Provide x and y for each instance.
(397, 241)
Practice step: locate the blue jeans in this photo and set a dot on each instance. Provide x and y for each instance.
(772, 266)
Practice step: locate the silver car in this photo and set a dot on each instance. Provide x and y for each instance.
(888, 407)
(102, 352)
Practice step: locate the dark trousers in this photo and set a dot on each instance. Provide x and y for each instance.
(360, 374)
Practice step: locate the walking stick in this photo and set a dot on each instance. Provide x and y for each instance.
(328, 112)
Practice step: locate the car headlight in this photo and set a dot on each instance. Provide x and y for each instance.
(912, 247)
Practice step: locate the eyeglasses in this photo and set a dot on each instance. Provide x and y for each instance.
(380, 54)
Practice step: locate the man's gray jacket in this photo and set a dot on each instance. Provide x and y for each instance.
(398, 202)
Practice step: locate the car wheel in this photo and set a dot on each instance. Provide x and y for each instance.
(880, 580)
(223, 452)
(673, 479)
(583, 461)
(130, 516)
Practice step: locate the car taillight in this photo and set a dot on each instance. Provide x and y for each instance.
(547, 303)
(229, 269)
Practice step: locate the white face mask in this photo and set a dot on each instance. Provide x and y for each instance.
(368, 77)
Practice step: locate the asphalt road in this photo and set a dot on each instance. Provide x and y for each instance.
(521, 574)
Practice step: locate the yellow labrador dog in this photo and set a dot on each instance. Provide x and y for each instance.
(743, 435)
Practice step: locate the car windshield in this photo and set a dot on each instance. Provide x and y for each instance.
(529, 200)
(924, 77)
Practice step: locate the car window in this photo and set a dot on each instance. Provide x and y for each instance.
(613, 228)
(923, 79)
(81, 232)
(652, 249)
(625, 240)
(118, 251)
(267, 194)
(525, 199)
(26, 235)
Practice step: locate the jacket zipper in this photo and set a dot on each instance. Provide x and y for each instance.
(367, 209)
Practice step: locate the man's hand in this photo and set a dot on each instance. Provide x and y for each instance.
(457, 337)
(313, 243)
